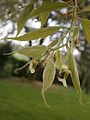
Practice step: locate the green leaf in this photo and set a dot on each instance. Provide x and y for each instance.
(44, 15)
(58, 59)
(86, 9)
(48, 77)
(48, 7)
(86, 28)
(24, 17)
(36, 34)
(28, 12)
(53, 43)
(33, 51)
(74, 73)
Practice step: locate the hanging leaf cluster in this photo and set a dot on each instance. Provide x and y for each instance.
(51, 54)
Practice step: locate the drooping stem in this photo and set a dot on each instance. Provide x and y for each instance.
(76, 5)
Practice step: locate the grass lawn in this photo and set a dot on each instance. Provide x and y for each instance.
(23, 102)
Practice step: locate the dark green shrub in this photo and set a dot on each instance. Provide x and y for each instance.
(7, 70)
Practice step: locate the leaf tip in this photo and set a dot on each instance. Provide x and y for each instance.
(44, 99)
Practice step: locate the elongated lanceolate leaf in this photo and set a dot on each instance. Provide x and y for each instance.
(44, 15)
(86, 28)
(58, 59)
(49, 7)
(29, 13)
(53, 43)
(74, 74)
(48, 77)
(34, 51)
(36, 34)
(24, 17)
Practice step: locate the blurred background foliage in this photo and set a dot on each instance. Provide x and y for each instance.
(9, 13)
